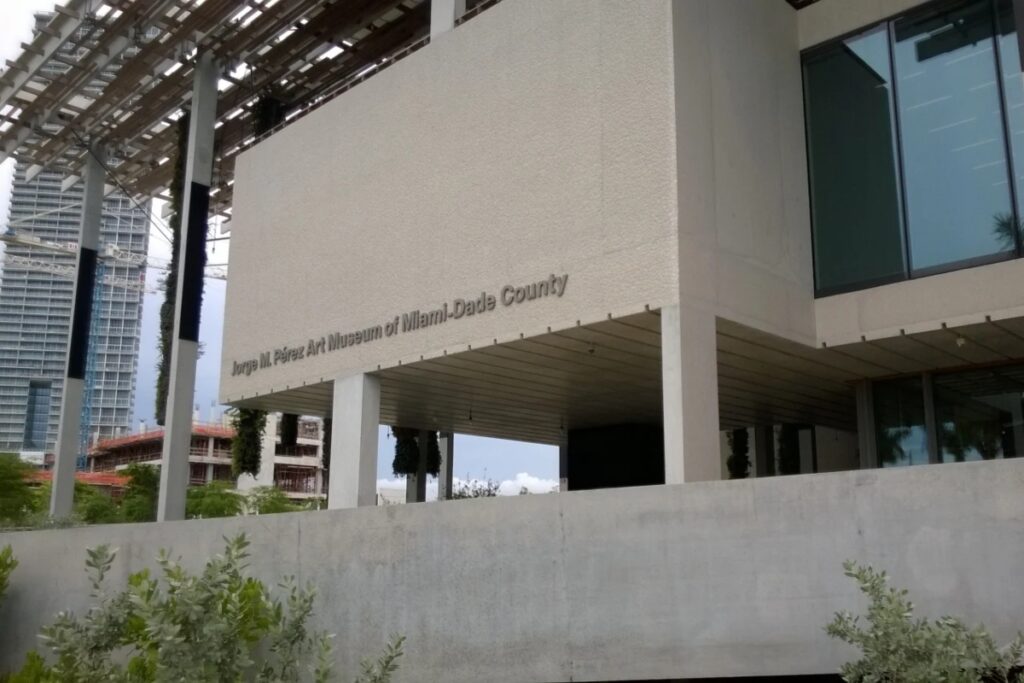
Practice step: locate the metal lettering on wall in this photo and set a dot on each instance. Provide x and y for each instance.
(509, 295)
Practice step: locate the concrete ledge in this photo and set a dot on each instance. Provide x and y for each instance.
(696, 580)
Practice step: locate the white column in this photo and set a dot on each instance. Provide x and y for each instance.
(445, 478)
(356, 419)
(689, 385)
(185, 342)
(443, 14)
(563, 463)
(69, 430)
(866, 426)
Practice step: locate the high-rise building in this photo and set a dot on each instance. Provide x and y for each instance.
(35, 309)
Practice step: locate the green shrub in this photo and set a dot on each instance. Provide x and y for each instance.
(216, 499)
(267, 500)
(895, 647)
(141, 494)
(17, 500)
(218, 625)
(7, 565)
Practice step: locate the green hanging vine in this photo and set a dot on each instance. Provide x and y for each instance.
(407, 452)
(170, 282)
(247, 446)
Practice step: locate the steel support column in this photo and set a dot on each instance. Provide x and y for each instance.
(191, 257)
(69, 429)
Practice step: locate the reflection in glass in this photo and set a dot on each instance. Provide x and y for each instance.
(980, 414)
(1008, 231)
(954, 153)
(900, 434)
(851, 148)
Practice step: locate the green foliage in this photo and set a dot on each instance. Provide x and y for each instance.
(267, 500)
(170, 283)
(407, 452)
(7, 565)
(141, 495)
(895, 647)
(247, 445)
(95, 507)
(17, 500)
(487, 488)
(738, 462)
(380, 670)
(789, 449)
(216, 499)
(218, 625)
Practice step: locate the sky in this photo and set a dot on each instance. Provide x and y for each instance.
(512, 464)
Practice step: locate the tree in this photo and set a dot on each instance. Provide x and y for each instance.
(16, 497)
(487, 488)
(407, 452)
(897, 648)
(95, 507)
(216, 499)
(170, 282)
(738, 463)
(171, 625)
(247, 446)
(267, 500)
(141, 495)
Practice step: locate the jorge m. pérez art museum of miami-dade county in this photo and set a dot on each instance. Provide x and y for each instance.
(698, 245)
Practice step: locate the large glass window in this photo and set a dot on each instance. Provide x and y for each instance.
(37, 414)
(980, 414)
(972, 415)
(901, 437)
(909, 127)
(851, 144)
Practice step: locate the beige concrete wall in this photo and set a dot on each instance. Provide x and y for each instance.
(828, 19)
(744, 223)
(533, 140)
(959, 298)
(699, 580)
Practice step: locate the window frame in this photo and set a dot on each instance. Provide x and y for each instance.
(888, 24)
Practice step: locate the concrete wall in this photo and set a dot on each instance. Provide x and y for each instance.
(963, 297)
(703, 579)
(533, 140)
(744, 226)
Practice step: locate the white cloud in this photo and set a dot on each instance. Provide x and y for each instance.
(508, 487)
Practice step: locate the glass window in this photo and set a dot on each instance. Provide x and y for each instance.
(37, 412)
(1013, 87)
(954, 150)
(980, 414)
(858, 237)
(900, 434)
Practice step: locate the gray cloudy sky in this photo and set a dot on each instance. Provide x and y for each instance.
(513, 464)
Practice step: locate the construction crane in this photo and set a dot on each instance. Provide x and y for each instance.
(108, 253)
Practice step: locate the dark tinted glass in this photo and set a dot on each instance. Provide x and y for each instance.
(954, 150)
(900, 434)
(980, 414)
(851, 147)
(1013, 85)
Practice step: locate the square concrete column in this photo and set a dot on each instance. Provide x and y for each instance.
(356, 419)
(443, 14)
(445, 476)
(689, 385)
(70, 443)
(189, 294)
(563, 463)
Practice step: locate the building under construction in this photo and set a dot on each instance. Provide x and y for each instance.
(35, 305)
(295, 465)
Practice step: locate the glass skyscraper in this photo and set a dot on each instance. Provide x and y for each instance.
(35, 311)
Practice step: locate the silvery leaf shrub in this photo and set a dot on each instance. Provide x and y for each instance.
(7, 565)
(896, 647)
(218, 625)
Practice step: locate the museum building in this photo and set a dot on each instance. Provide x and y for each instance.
(636, 231)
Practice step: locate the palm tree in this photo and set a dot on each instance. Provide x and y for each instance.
(1007, 231)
